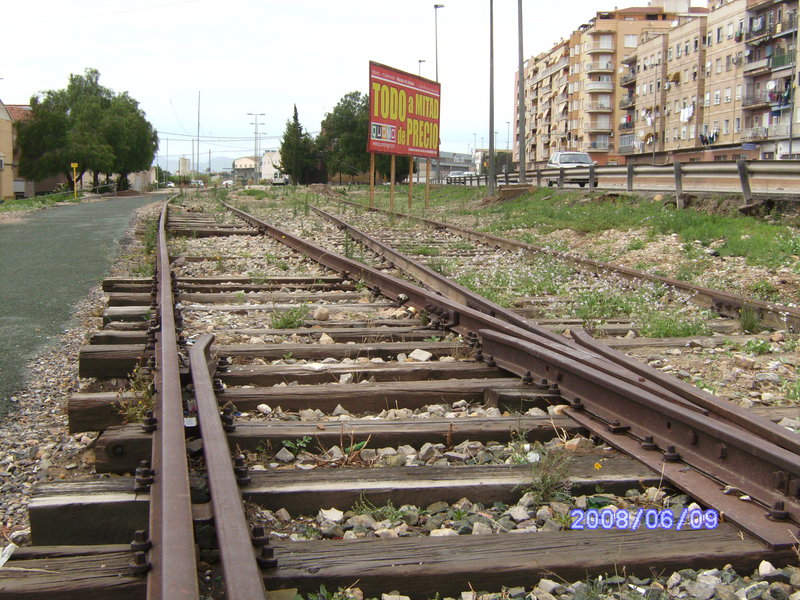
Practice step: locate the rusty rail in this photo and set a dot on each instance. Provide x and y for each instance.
(700, 448)
(243, 580)
(668, 439)
(725, 303)
(172, 557)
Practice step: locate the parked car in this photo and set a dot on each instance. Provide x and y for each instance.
(279, 178)
(198, 183)
(570, 160)
(455, 177)
(227, 183)
(170, 184)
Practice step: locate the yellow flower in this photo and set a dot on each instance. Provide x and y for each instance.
(598, 466)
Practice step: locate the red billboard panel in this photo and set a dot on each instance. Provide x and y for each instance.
(403, 113)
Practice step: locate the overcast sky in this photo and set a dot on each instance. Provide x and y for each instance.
(264, 56)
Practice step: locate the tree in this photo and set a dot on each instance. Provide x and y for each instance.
(344, 134)
(85, 123)
(298, 158)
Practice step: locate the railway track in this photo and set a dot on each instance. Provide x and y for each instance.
(339, 398)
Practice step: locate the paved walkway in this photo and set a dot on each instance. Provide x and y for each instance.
(48, 262)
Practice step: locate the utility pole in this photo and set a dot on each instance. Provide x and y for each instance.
(197, 164)
(436, 8)
(521, 100)
(490, 180)
(256, 157)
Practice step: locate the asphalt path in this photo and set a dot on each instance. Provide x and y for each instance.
(48, 262)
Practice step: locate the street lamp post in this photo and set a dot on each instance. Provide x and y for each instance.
(521, 99)
(490, 184)
(256, 157)
(436, 8)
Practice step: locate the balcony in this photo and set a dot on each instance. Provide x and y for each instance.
(626, 126)
(598, 127)
(628, 79)
(778, 130)
(599, 47)
(627, 102)
(597, 107)
(600, 67)
(757, 32)
(545, 89)
(764, 98)
(627, 149)
(756, 66)
(599, 86)
(597, 146)
(780, 61)
(755, 133)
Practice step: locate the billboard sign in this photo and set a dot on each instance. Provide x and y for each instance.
(403, 113)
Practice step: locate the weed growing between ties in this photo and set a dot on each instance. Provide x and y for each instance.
(141, 385)
(292, 318)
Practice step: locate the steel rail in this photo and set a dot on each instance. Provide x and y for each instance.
(173, 575)
(769, 314)
(467, 320)
(667, 439)
(669, 388)
(438, 282)
(243, 579)
(771, 474)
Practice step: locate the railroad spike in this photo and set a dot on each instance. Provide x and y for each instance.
(240, 470)
(671, 455)
(649, 443)
(141, 543)
(258, 537)
(150, 422)
(527, 379)
(140, 564)
(266, 558)
(576, 404)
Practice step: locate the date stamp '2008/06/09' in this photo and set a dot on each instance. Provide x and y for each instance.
(644, 518)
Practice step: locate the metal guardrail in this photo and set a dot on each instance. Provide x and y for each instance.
(776, 177)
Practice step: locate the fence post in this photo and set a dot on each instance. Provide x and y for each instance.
(678, 183)
(744, 177)
(591, 177)
(630, 176)
(561, 178)
(538, 177)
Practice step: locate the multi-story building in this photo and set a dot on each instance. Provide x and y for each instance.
(571, 90)
(6, 153)
(671, 82)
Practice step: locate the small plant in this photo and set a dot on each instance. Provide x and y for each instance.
(424, 250)
(387, 512)
(757, 347)
(748, 317)
(634, 245)
(433, 338)
(258, 277)
(292, 318)
(550, 474)
(141, 384)
(763, 289)
(240, 297)
(298, 445)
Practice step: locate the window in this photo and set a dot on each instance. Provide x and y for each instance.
(675, 134)
(727, 94)
(630, 41)
(669, 54)
(728, 63)
(686, 48)
(737, 123)
(726, 127)
(683, 132)
(719, 65)
(694, 73)
(739, 92)
(730, 30)
(716, 96)
(696, 44)
(719, 34)
(678, 51)
(691, 131)
(707, 99)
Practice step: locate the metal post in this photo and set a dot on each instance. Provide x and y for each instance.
(678, 183)
(561, 178)
(630, 176)
(521, 100)
(490, 184)
(591, 177)
(744, 177)
(436, 8)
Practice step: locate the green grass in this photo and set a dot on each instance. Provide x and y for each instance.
(292, 318)
(37, 202)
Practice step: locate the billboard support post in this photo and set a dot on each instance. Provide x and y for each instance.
(427, 184)
(372, 180)
(410, 180)
(391, 184)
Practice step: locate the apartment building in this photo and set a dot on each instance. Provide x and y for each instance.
(685, 83)
(571, 90)
(6, 154)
